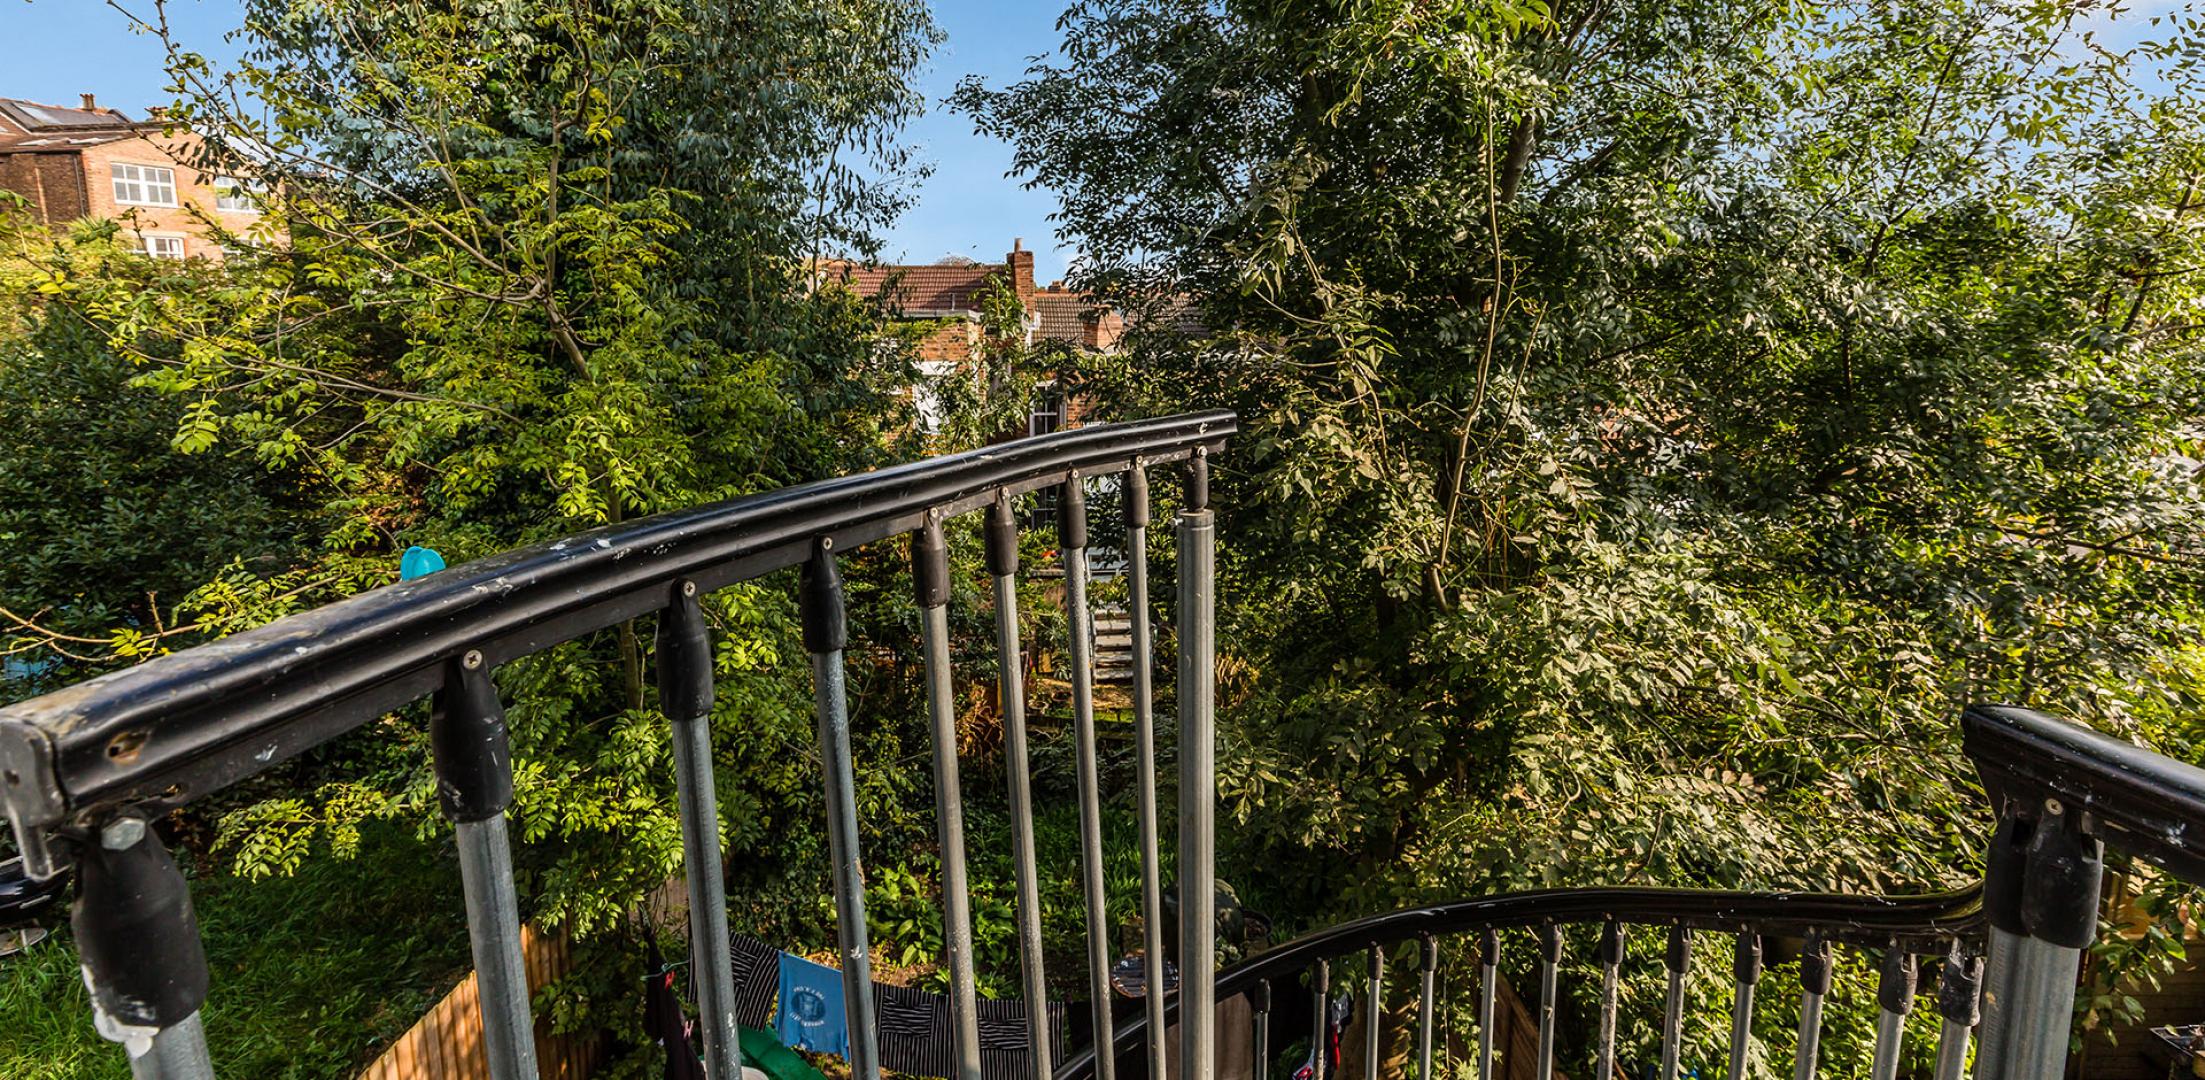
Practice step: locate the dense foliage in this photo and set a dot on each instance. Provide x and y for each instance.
(1661, 418)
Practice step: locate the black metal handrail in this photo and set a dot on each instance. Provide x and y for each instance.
(84, 771)
(1926, 924)
(2145, 804)
(170, 730)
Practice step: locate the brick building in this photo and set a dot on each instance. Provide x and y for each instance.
(953, 295)
(92, 161)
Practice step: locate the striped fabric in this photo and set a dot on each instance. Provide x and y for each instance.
(916, 1033)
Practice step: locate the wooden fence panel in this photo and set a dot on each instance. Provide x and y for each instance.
(446, 1043)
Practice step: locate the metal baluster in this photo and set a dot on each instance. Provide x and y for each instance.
(1672, 1014)
(1002, 543)
(825, 635)
(2004, 866)
(2059, 905)
(1144, 734)
(138, 941)
(1373, 1014)
(1895, 997)
(1072, 543)
(1489, 977)
(1320, 985)
(1814, 982)
(1550, 960)
(1197, 775)
(1959, 987)
(474, 774)
(1611, 978)
(1746, 970)
(930, 581)
(1426, 1004)
(685, 694)
(1259, 1003)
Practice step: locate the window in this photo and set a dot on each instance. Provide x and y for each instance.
(165, 247)
(231, 193)
(1047, 412)
(926, 394)
(1043, 417)
(145, 185)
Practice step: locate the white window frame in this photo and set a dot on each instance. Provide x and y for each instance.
(236, 196)
(140, 185)
(926, 395)
(164, 246)
(1048, 404)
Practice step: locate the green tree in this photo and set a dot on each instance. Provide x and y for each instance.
(1659, 420)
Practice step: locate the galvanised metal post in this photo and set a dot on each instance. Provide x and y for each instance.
(685, 695)
(1814, 984)
(1611, 978)
(1373, 1017)
(1426, 1003)
(1080, 632)
(1959, 989)
(1745, 972)
(1197, 775)
(1259, 1004)
(2004, 867)
(474, 781)
(1678, 961)
(1550, 962)
(1144, 734)
(138, 941)
(1489, 977)
(825, 635)
(1002, 545)
(2059, 906)
(930, 581)
(1894, 998)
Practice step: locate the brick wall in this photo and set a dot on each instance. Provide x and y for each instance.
(194, 192)
(54, 183)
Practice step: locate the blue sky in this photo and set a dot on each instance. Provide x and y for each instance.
(58, 49)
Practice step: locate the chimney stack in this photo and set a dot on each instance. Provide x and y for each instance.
(88, 102)
(1020, 263)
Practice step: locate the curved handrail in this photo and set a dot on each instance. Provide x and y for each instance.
(2146, 804)
(164, 732)
(1917, 921)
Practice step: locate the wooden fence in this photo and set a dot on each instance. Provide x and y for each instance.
(447, 1042)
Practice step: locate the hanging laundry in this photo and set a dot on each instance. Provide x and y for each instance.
(811, 1016)
(663, 1019)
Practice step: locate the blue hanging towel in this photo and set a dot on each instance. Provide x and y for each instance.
(417, 561)
(811, 1014)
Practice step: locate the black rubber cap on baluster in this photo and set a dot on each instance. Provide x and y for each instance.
(1136, 498)
(1259, 996)
(1198, 480)
(1072, 515)
(1611, 944)
(826, 627)
(1960, 989)
(467, 738)
(1550, 943)
(136, 934)
(684, 656)
(1746, 965)
(1680, 949)
(1002, 536)
(1895, 987)
(2005, 867)
(1814, 967)
(1489, 947)
(1427, 952)
(930, 565)
(2059, 898)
